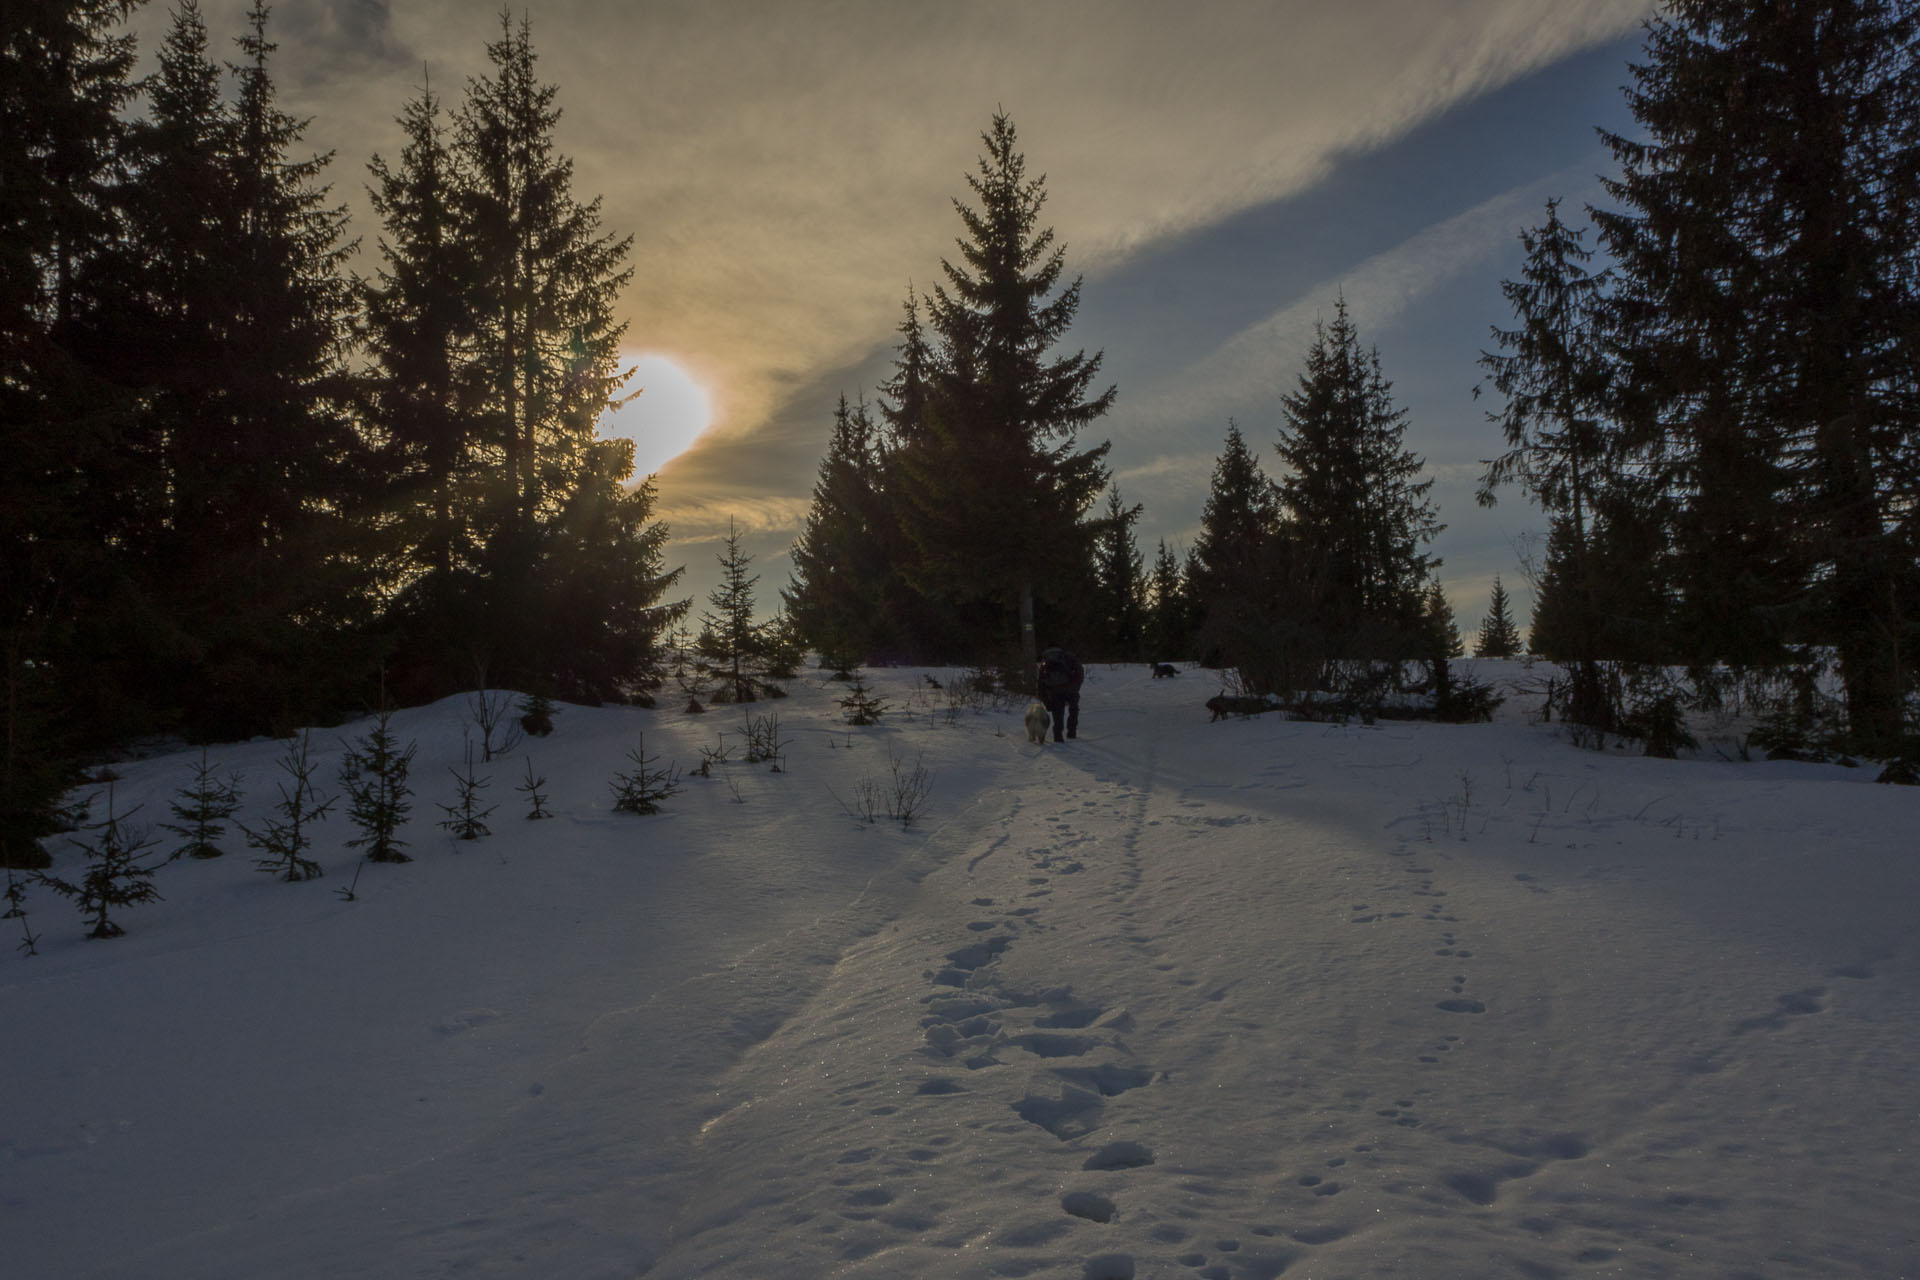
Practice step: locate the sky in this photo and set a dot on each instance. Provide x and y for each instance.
(1219, 173)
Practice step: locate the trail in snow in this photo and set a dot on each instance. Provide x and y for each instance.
(1180, 998)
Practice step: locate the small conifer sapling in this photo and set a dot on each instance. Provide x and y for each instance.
(650, 782)
(284, 839)
(374, 775)
(536, 798)
(17, 910)
(202, 812)
(115, 875)
(536, 715)
(861, 704)
(465, 818)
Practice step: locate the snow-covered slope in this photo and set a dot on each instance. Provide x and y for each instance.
(1179, 998)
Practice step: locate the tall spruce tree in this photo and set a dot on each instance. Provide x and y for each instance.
(1226, 584)
(1358, 512)
(1169, 612)
(909, 620)
(231, 317)
(1555, 375)
(1765, 309)
(840, 563)
(540, 284)
(995, 493)
(1119, 577)
(64, 76)
(1499, 638)
(606, 612)
(729, 636)
(418, 325)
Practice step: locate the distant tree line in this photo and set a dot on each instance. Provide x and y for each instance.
(962, 515)
(243, 490)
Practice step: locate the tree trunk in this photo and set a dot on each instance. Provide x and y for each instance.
(1028, 649)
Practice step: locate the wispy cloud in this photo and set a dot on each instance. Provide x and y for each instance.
(1261, 363)
(701, 520)
(786, 168)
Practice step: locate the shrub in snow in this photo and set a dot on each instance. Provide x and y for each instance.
(203, 811)
(650, 782)
(465, 818)
(115, 875)
(902, 793)
(718, 753)
(536, 715)
(490, 710)
(374, 774)
(284, 839)
(764, 742)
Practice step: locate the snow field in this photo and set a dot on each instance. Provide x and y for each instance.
(1227, 1000)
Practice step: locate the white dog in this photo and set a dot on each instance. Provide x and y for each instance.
(1038, 717)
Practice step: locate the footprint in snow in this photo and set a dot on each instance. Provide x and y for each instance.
(454, 1024)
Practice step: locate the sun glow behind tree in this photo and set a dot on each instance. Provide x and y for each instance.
(664, 418)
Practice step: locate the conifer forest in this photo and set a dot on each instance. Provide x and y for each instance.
(261, 468)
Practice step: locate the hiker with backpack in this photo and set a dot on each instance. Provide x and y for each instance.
(1059, 678)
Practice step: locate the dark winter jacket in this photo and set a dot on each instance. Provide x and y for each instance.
(1059, 672)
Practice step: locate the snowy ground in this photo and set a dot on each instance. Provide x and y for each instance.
(1180, 998)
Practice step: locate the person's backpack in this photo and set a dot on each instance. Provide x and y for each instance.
(1056, 671)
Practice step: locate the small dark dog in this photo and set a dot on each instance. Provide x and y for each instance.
(1164, 671)
(1224, 705)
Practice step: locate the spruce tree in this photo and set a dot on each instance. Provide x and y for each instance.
(16, 900)
(994, 493)
(1226, 586)
(65, 602)
(1353, 497)
(540, 286)
(1169, 613)
(231, 318)
(839, 562)
(650, 782)
(115, 875)
(729, 636)
(910, 619)
(536, 798)
(419, 327)
(283, 838)
(1499, 638)
(1554, 372)
(70, 486)
(1438, 613)
(465, 819)
(373, 772)
(201, 811)
(1119, 578)
(1440, 645)
(605, 587)
(1767, 208)
(861, 705)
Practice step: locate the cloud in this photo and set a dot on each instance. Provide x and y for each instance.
(332, 36)
(786, 168)
(703, 520)
(1259, 364)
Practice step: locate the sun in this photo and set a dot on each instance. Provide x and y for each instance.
(666, 417)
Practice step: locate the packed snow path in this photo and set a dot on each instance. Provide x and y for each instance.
(1180, 998)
